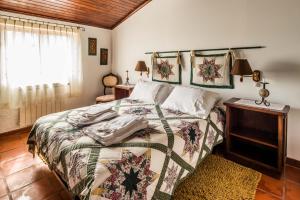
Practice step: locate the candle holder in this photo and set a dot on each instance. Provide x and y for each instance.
(264, 93)
(127, 78)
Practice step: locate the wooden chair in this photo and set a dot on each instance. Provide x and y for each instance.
(108, 81)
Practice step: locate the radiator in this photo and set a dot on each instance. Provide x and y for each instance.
(30, 113)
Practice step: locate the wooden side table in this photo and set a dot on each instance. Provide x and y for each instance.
(256, 137)
(123, 91)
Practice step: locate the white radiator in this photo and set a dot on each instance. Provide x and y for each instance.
(29, 114)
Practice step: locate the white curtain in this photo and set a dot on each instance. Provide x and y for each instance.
(38, 63)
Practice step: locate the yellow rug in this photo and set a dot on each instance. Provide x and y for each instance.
(218, 179)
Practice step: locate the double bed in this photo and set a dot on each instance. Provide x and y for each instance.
(149, 164)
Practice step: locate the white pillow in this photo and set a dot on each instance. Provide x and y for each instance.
(193, 101)
(163, 93)
(145, 91)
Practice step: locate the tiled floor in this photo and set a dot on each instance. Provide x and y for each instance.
(288, 187)
(22, 177)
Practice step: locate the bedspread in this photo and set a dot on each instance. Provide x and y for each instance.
(148, 165)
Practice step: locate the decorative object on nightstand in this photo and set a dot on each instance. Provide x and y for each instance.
(256, 135)
(127, 78)
(141, 67)
(264, 93)
(123, 91)
(108, 81)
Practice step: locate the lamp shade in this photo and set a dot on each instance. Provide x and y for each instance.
(141, 66)
(241, 67)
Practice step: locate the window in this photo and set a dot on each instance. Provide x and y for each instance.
(37, 57)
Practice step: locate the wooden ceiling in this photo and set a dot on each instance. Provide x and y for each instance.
(100, 13)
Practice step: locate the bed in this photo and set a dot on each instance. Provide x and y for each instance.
(150, 164)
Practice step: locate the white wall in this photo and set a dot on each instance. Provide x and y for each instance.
(195, 24)
(92, 73)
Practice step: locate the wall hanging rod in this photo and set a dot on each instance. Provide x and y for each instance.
(217, 49)
(22, 19)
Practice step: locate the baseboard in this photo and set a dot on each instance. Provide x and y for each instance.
(293, 162)
(20, 130)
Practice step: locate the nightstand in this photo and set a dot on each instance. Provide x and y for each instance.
(123, 91)
(256, 135)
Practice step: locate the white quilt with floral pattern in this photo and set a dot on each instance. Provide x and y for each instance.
(148, 165)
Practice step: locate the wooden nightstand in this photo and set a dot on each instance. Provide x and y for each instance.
(256, 137)
(123, 91)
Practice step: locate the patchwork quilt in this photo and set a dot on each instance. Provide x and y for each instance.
(148, 165)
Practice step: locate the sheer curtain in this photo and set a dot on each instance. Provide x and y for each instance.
(38, 63)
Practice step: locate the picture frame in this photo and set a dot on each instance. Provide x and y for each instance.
(103, 56)
(92, 46)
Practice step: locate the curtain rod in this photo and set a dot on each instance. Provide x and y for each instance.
(40, 22)
(217, 49)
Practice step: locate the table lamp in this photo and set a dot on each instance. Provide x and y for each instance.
(141, 67)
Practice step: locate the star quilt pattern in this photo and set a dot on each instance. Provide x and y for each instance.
(212, 71)
(148, 165)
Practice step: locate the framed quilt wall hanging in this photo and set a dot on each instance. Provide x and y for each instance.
(212, 71)
(166, 68)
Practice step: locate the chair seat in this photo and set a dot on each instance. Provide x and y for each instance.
(105, 98)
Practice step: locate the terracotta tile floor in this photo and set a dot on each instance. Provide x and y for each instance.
(22, 177)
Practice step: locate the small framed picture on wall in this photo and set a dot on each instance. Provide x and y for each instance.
(92, 46)
(103, 56)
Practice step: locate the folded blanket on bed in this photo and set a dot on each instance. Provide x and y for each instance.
(116, 130)
(91, 115)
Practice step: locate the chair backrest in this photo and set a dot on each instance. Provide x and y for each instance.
(109, 81)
